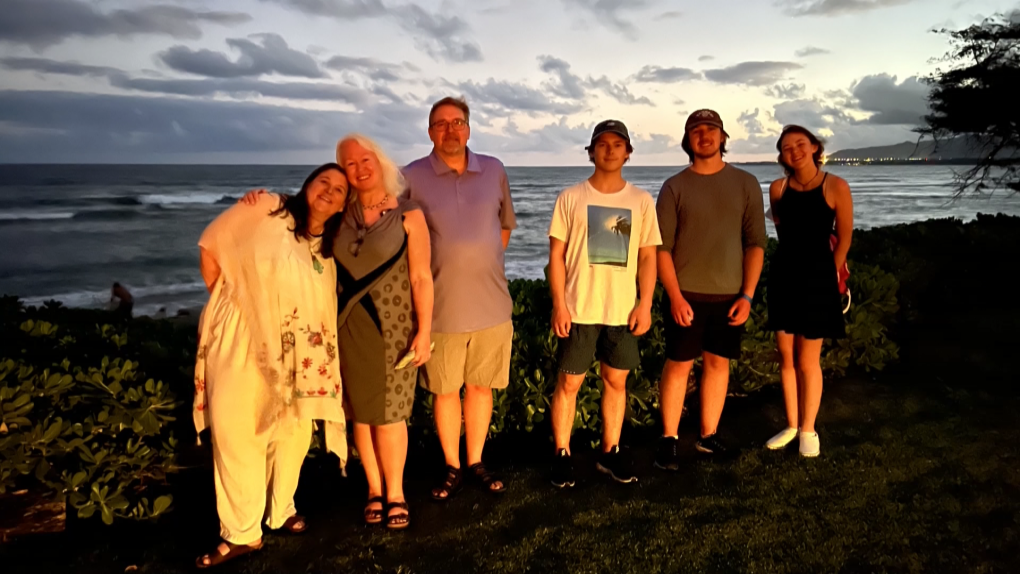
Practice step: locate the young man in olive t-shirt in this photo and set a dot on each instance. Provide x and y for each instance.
(712, 219)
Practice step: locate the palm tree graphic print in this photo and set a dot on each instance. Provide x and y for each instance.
(608, 235)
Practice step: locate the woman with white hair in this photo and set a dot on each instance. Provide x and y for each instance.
(384, 290)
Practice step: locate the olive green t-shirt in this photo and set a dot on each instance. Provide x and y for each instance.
(706, 223)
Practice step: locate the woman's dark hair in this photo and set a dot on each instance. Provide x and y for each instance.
(685, 144)
(815, 140)
(296, 206)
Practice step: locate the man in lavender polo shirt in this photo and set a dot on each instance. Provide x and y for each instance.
(467, 205)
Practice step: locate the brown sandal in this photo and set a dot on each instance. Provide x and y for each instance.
(451, 485)
(374, 516)
(235, 551)
(295, 524)
(487, 478)
(398, 521)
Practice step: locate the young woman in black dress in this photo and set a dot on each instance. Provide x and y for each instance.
(803, 287)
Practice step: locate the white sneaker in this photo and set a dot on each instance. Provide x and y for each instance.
(809, 444)
(782, 439)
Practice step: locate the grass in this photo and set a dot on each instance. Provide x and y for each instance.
(913, 478)
(919, 472)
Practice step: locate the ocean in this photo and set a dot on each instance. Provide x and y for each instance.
(69, 231)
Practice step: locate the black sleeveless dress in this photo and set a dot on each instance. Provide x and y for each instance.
(803, 290)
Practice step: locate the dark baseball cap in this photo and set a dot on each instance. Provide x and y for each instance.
(609, 127)
(704, 117)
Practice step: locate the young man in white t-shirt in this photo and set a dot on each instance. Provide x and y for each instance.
(602, 244)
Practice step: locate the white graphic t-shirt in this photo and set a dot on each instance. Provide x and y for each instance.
(603, 232)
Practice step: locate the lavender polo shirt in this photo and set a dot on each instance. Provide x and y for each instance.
(466, 214)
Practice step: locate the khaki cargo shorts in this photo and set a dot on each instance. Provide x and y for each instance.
(480, 358)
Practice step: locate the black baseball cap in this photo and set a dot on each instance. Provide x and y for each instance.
(609, 127)
(704, 117)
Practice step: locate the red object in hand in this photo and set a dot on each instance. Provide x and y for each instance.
(843, 272)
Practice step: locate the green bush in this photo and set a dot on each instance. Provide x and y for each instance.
(526, 402)
(78, 423)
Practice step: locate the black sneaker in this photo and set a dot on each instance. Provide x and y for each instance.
(710, 445)
(617, 465)
(562, 470)
(667, 458)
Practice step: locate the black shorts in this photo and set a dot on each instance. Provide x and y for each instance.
(615, 346)
(710, 331)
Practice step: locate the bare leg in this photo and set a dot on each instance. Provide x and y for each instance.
(446, 409)
(614, 405)
(391, 445)
(788, 376)
(715, 381)
(477, 415)
(672, 389)
(809, 368)
(367, 451)
(564, 408)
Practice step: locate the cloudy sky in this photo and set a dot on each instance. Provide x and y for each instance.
(279, 81)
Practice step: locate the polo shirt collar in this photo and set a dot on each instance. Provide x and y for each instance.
(440, 167)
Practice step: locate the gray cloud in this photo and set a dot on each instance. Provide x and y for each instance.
(69, 127)
(607, 13)
(374, 69)
(441, 37)
(656, 74)
(47, 66)
(810, 51)
(749, 120)
(501, 98)
(438, 35)
(789, 91)
(245, 88)
(706, 58)
(617, 91)
(891, 103)
(42, 23)
(569, 84)
(758, 140)
(835, 7)
(752, 73)
(342, 9)
(271, 55)
(654, 143)
(812, 114)
(550, 138)
(670, 15)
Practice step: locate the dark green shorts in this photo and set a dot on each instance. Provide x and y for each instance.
(615, 346)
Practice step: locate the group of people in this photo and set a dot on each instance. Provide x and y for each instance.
(334, 303)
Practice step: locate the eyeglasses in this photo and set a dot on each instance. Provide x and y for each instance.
(458, 124)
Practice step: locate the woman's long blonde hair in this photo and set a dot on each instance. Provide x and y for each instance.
(393, 180)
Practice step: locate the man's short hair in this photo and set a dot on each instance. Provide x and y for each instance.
(459, 103)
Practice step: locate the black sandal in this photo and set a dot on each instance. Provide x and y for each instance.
(215, 558)
(374, 516)
(398, 521)
(487, 478)
(295, 524)
(451, 485)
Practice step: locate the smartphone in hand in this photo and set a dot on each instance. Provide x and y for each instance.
(405, 361)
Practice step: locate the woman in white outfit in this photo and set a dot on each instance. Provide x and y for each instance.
(267, 357)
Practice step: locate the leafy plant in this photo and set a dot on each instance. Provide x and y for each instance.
(94, 431)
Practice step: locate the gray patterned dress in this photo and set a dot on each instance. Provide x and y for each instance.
(376, 321)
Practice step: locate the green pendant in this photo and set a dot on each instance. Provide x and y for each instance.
(316, 265)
